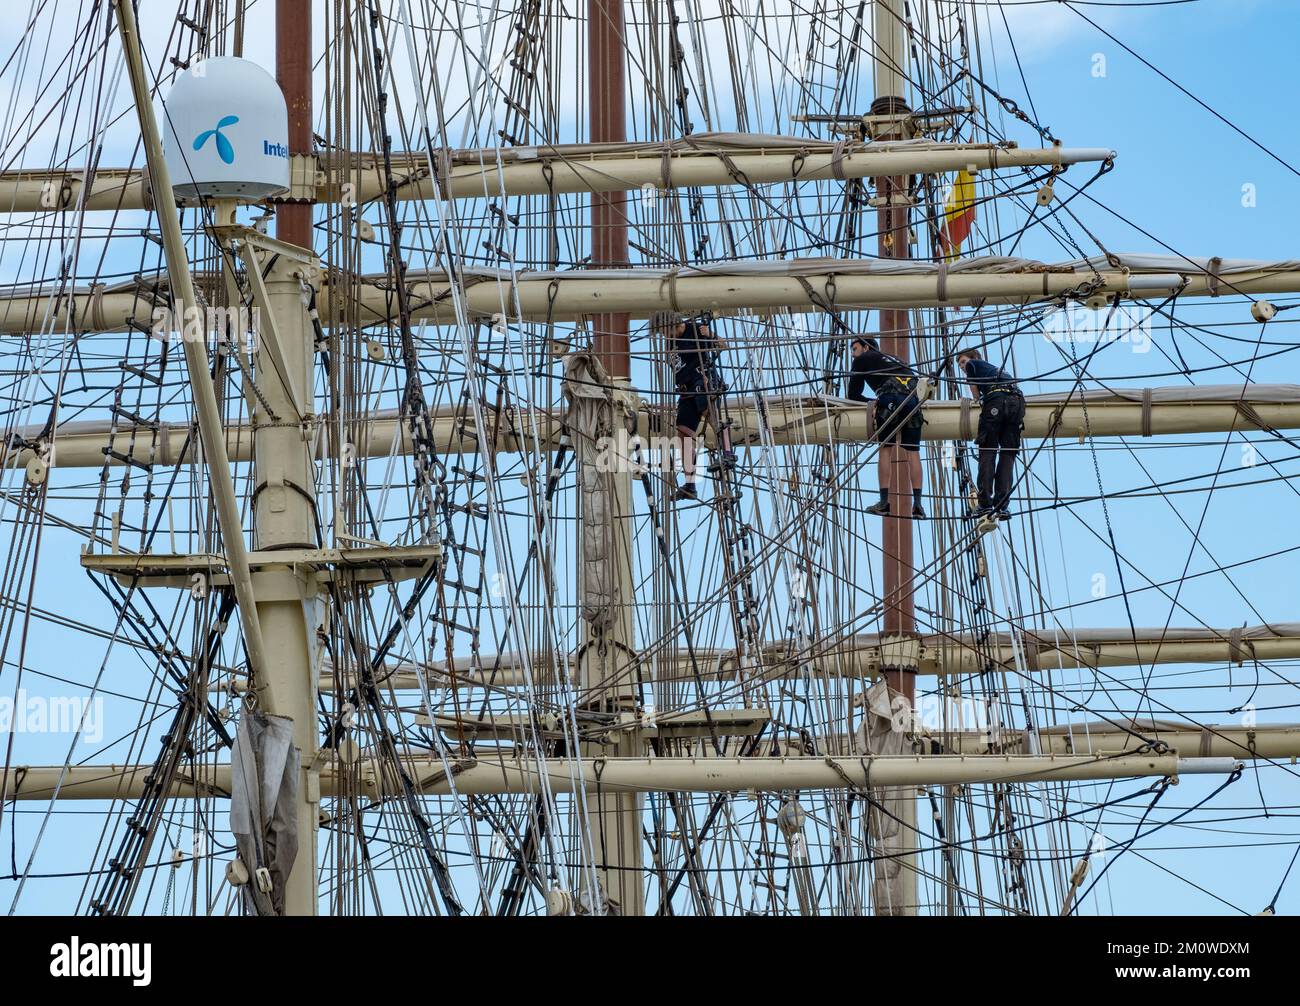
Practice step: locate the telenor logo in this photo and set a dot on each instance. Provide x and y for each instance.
(224, 150)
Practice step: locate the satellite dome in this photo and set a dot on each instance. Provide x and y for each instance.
(226, 131)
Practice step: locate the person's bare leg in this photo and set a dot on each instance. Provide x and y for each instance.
(885, 472)
(914, 478)
(724, 433)
(714, 422)
(901, 485)
(687, 437)
(891, 474)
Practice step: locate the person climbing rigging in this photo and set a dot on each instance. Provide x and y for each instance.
(700, 387)
(1002, 417)
(897, 414)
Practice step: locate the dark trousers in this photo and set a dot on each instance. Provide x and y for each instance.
(1001, 419)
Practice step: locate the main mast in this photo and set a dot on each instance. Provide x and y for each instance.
(288, 600)
(284, 508)
(888, 118)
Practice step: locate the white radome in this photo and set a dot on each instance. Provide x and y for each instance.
(226, 131)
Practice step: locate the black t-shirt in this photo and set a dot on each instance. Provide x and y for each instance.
(984, 376)
(884, 373)
(692, 354)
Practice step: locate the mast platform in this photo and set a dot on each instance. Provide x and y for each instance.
(350, 565)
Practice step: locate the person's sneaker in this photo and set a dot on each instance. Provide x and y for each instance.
(727, 459)
(918, 511)
(880, 509)
(1002, 513)
(686, 492)
(979, 510)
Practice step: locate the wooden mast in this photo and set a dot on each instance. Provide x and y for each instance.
(293, 73)
(897, 896)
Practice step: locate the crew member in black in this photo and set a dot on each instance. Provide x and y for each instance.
(898, 418)
(699, 390)
(1002, 417)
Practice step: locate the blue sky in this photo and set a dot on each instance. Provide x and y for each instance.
(1180, 172)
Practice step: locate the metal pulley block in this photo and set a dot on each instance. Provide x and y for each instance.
(791, 818)
(236, 873)
(37, 471)
(1263, 310)
(1080, 871)
(348, 751)
(559, 902)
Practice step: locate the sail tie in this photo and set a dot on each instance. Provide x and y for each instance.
(670, 281)
(837, 160)
(1212, 272)
(1235, 652)
(97, 307)
(164, 441)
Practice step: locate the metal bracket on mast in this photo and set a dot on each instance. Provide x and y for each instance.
(304, 265)
(900, 653)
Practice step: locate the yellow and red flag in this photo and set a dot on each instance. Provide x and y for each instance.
(958, 216)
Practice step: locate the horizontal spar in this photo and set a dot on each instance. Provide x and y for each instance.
(791, 420)
(1270, 741)
(704, 161)
(1035, 650)
(749, 288)
(572, 296)
(629, 775)
(865, 656)
(816, 284)
(643, 293)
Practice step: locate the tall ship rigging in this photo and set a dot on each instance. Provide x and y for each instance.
(364, 535)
